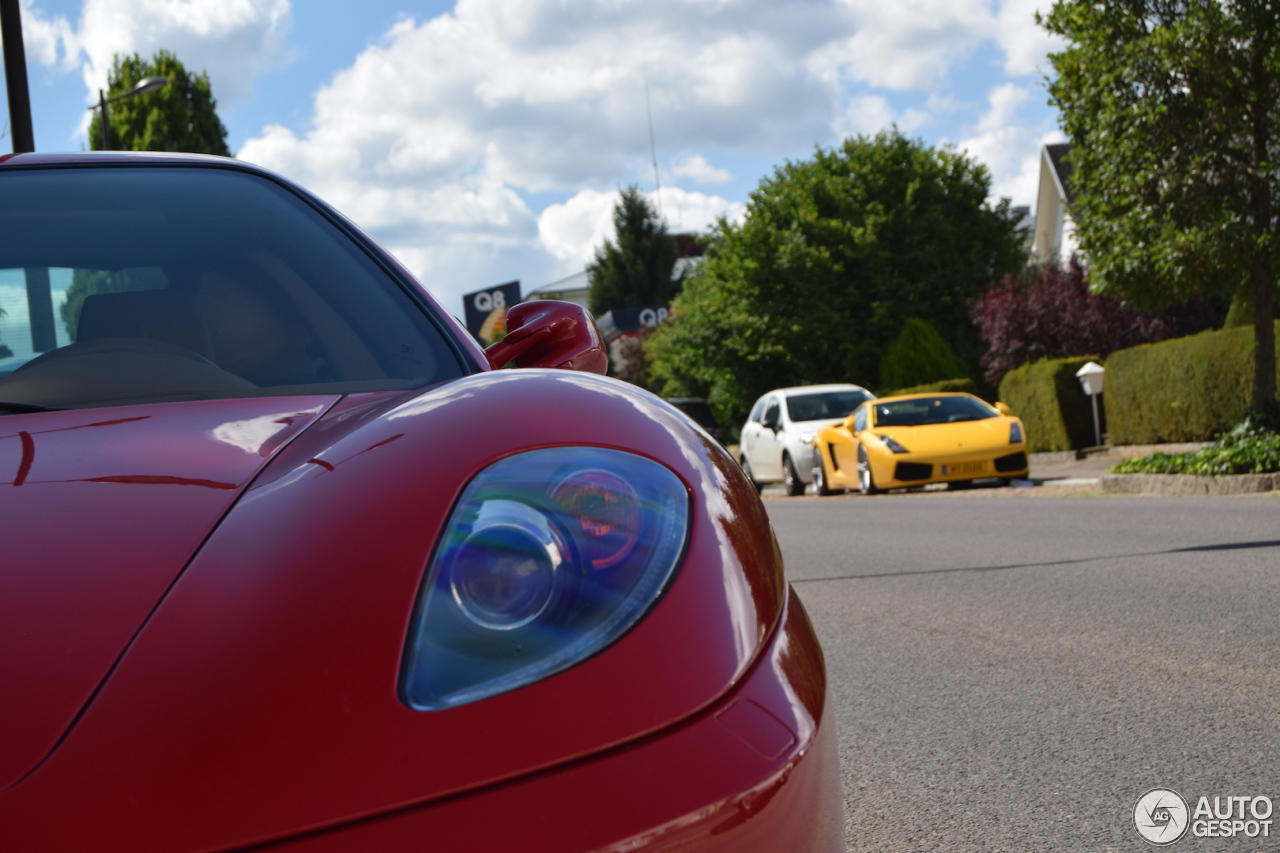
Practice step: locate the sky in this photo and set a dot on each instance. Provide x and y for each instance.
(485, 141)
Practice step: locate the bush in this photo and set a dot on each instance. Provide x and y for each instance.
(919, 355)
(1048, 398)
(1251, 447)
(1051, 313)
(1189, 389)
(968, 386)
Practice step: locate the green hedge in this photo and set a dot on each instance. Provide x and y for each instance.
(1048, 398)
(1187, 389)
(968, 386)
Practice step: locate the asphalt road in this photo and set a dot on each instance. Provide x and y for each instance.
(1011, 669)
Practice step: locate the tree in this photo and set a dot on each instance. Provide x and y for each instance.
(634, 272)
(5, 352)
(1171, 106)
(180, 117)
(835, 253)
(919, 355)
(632, 361)
(1052, 313)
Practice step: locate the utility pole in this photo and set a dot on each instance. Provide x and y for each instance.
(15, 77)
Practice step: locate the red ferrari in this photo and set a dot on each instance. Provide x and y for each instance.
(290, 564)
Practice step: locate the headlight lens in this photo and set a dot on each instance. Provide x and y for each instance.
(893, 445)
(549, 557)
(1015, 433)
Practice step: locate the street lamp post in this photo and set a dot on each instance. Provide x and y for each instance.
(145, 86)
(1090, 377)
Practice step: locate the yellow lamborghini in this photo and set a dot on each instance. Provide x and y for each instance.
(914, 439)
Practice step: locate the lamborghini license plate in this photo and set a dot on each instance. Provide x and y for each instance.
(964, 468)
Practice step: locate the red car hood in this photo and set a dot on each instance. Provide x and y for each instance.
(102, 509)
(260, 699)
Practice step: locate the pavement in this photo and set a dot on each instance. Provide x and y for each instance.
(1085, 468)
(1071, 468)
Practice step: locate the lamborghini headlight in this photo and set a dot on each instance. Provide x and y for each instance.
(893, 445)
(548, 557)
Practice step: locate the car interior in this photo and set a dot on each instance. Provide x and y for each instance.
(108, 298)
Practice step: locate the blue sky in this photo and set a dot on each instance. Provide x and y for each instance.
(485, 140)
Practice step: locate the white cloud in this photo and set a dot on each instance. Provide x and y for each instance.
(906, 44)
(549, 94)
(1025, 44)
(865, 114)
(48, 41)
(1008, 146)
(691, 212)
(696, 168)
(232, 40)
(870, 114)
(1003, 103)
(573, 230)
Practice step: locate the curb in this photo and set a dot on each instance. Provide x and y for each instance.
(1188, 484)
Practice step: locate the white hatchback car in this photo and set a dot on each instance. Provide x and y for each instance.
(775, 442)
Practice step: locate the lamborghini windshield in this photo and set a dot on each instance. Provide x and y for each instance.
(826, 405)
(925, 411)
(131, 284)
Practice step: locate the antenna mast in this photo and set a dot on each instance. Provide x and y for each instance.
(653, 149)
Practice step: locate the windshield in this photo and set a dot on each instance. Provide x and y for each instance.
(924, 411)
(824, 405)
(151, 284)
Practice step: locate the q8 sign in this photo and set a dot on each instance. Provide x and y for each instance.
(487, 309)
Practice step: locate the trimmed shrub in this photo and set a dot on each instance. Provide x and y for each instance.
(968, 386)
(918, 356)
(1048, 398)
(1188, 389)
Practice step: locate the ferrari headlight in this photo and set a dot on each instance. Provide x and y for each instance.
(893, 445)
(548, 557)
(1015, 433)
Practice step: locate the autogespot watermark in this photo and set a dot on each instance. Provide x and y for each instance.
(1162, 816)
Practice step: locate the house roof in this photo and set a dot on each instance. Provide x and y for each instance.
(577, 281)
(1062, 168)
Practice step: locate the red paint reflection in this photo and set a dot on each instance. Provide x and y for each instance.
(155, 480)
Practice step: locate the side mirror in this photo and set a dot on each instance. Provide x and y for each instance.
(849, 424)
(1004, 410)
(547, 333)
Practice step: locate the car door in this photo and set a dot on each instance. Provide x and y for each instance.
(751, 432)
(844, 448)
(766, 453)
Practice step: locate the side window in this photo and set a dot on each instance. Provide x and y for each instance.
(860, 418)
(757, 411)
(773, 412)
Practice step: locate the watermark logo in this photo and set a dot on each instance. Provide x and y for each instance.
(1161, 816)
